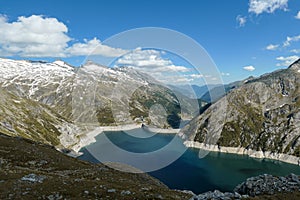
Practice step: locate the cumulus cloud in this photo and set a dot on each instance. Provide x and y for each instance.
(289, 40)
(269, 6)
(39, 36)
(149, 60)
(298, 15)
(249, 68)
(33, 36)
(286, 61)
(272, 47)
(94, 47)
(153, 63)
(241, 20)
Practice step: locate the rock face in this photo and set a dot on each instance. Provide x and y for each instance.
(217, 195)
(33, 178)
(42, 101)
(263, 115)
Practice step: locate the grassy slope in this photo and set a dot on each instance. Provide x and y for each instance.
(68, 177)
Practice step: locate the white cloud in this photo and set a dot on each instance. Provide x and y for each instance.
(272, 47)
(151, 62)
(225, 74)
(39, 36)
(94, 47)
(196, 75)
(241, 20)
(33, 36)
(269, 6)
(289, 40)
(286, 61)
(249, 68)
(295, 51)
(298, 15)
(181, 80)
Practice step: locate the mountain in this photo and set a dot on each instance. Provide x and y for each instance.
(193, 91)
(31, 170)
(262, 114)
(219, 91)
(56, 103)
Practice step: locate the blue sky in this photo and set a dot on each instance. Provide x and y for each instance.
(237, 34)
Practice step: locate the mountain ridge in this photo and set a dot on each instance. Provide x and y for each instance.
(73, 101)
(262, 115)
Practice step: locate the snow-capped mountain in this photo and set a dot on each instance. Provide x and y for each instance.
(28, 77)
(41, 100)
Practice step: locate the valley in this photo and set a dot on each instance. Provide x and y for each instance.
(69, 108)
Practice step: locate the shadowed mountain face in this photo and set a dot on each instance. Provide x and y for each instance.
(49, 101)
(193, 91)
(262, 114)
(32, 170)
(217, 92)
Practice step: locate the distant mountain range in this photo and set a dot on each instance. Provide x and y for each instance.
(208, 93)
(193, 91)
(217, 92)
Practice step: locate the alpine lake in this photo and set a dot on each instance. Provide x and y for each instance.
(216, 170)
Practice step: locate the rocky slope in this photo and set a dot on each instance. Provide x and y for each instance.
(30, 119)
(48, 101)
(263, 115)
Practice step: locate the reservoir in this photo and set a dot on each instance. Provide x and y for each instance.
(189, 172)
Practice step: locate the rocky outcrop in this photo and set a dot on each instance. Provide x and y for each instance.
(268, 185)
(262, 115)
(255, 187)
(217, 195)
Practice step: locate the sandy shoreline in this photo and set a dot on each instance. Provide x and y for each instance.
(242, 151)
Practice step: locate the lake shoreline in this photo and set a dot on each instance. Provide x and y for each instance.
(242, 151)
(90, 137)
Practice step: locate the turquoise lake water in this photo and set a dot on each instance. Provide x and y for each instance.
(215, 171)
